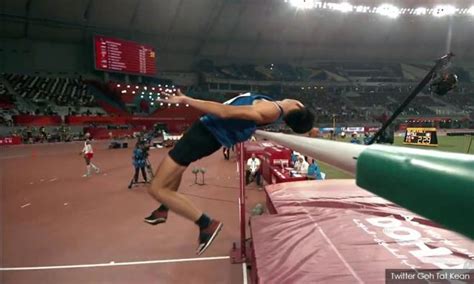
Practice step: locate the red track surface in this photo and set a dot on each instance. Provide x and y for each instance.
(52, 216)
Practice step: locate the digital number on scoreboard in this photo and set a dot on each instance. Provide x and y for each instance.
(421, 136)
(117, 55)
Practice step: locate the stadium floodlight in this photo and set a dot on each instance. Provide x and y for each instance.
(152, 103)
(177, 105)
(153, 88)
(343, 7)
(187, 105)
(144, 88)
(444, 10)
(161, 104)
(118, 85)
(136, 87)
(124, 91)
(133, 92)
(141, 97)
(128, 86)
(470, 11)
(421, 11)
(303, 4)
(388, 10)
(362, 9)
(169, 105)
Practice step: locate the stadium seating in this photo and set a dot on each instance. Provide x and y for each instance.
(352, 98)
(57, 90)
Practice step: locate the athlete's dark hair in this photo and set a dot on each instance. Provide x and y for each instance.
(300, 120)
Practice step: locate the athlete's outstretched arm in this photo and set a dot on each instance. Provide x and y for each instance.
(263, 112)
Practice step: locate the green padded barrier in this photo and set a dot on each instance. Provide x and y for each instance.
(436, 185)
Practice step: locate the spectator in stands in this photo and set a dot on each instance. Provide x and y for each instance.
(253, 170)
(222, 125)
(354, 139)
(314, 172)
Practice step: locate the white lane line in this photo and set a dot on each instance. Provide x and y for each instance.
(26, 205)
(13, 157)
(333, 247)
(115, 263)
(53, 179)
(244, 272)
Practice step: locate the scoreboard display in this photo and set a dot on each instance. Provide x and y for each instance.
(117, 55)
(421, 136)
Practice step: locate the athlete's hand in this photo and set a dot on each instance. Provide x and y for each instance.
(178, 98)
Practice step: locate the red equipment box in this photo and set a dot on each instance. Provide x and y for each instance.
(274, 156)
(279, 175)
(255, 147)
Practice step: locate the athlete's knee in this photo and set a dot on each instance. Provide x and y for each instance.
(157, 190)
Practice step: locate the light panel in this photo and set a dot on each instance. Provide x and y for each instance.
(387, 10)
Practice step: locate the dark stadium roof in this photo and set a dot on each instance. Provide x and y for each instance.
(256, 30)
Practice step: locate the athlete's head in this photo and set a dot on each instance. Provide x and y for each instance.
(299, 118)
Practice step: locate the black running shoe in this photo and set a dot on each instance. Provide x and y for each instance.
(207, 235)
(157, 217)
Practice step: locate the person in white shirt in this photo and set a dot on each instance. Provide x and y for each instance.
(301, 166)
(253, 170)
(88, 153)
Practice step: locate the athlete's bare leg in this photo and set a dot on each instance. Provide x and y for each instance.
(164, 189)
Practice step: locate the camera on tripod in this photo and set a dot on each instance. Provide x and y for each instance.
(444, 84)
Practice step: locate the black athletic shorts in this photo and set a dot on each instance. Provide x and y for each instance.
(196, 143)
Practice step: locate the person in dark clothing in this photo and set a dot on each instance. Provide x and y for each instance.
(226, 152)
(139, 163)
(44, 136)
